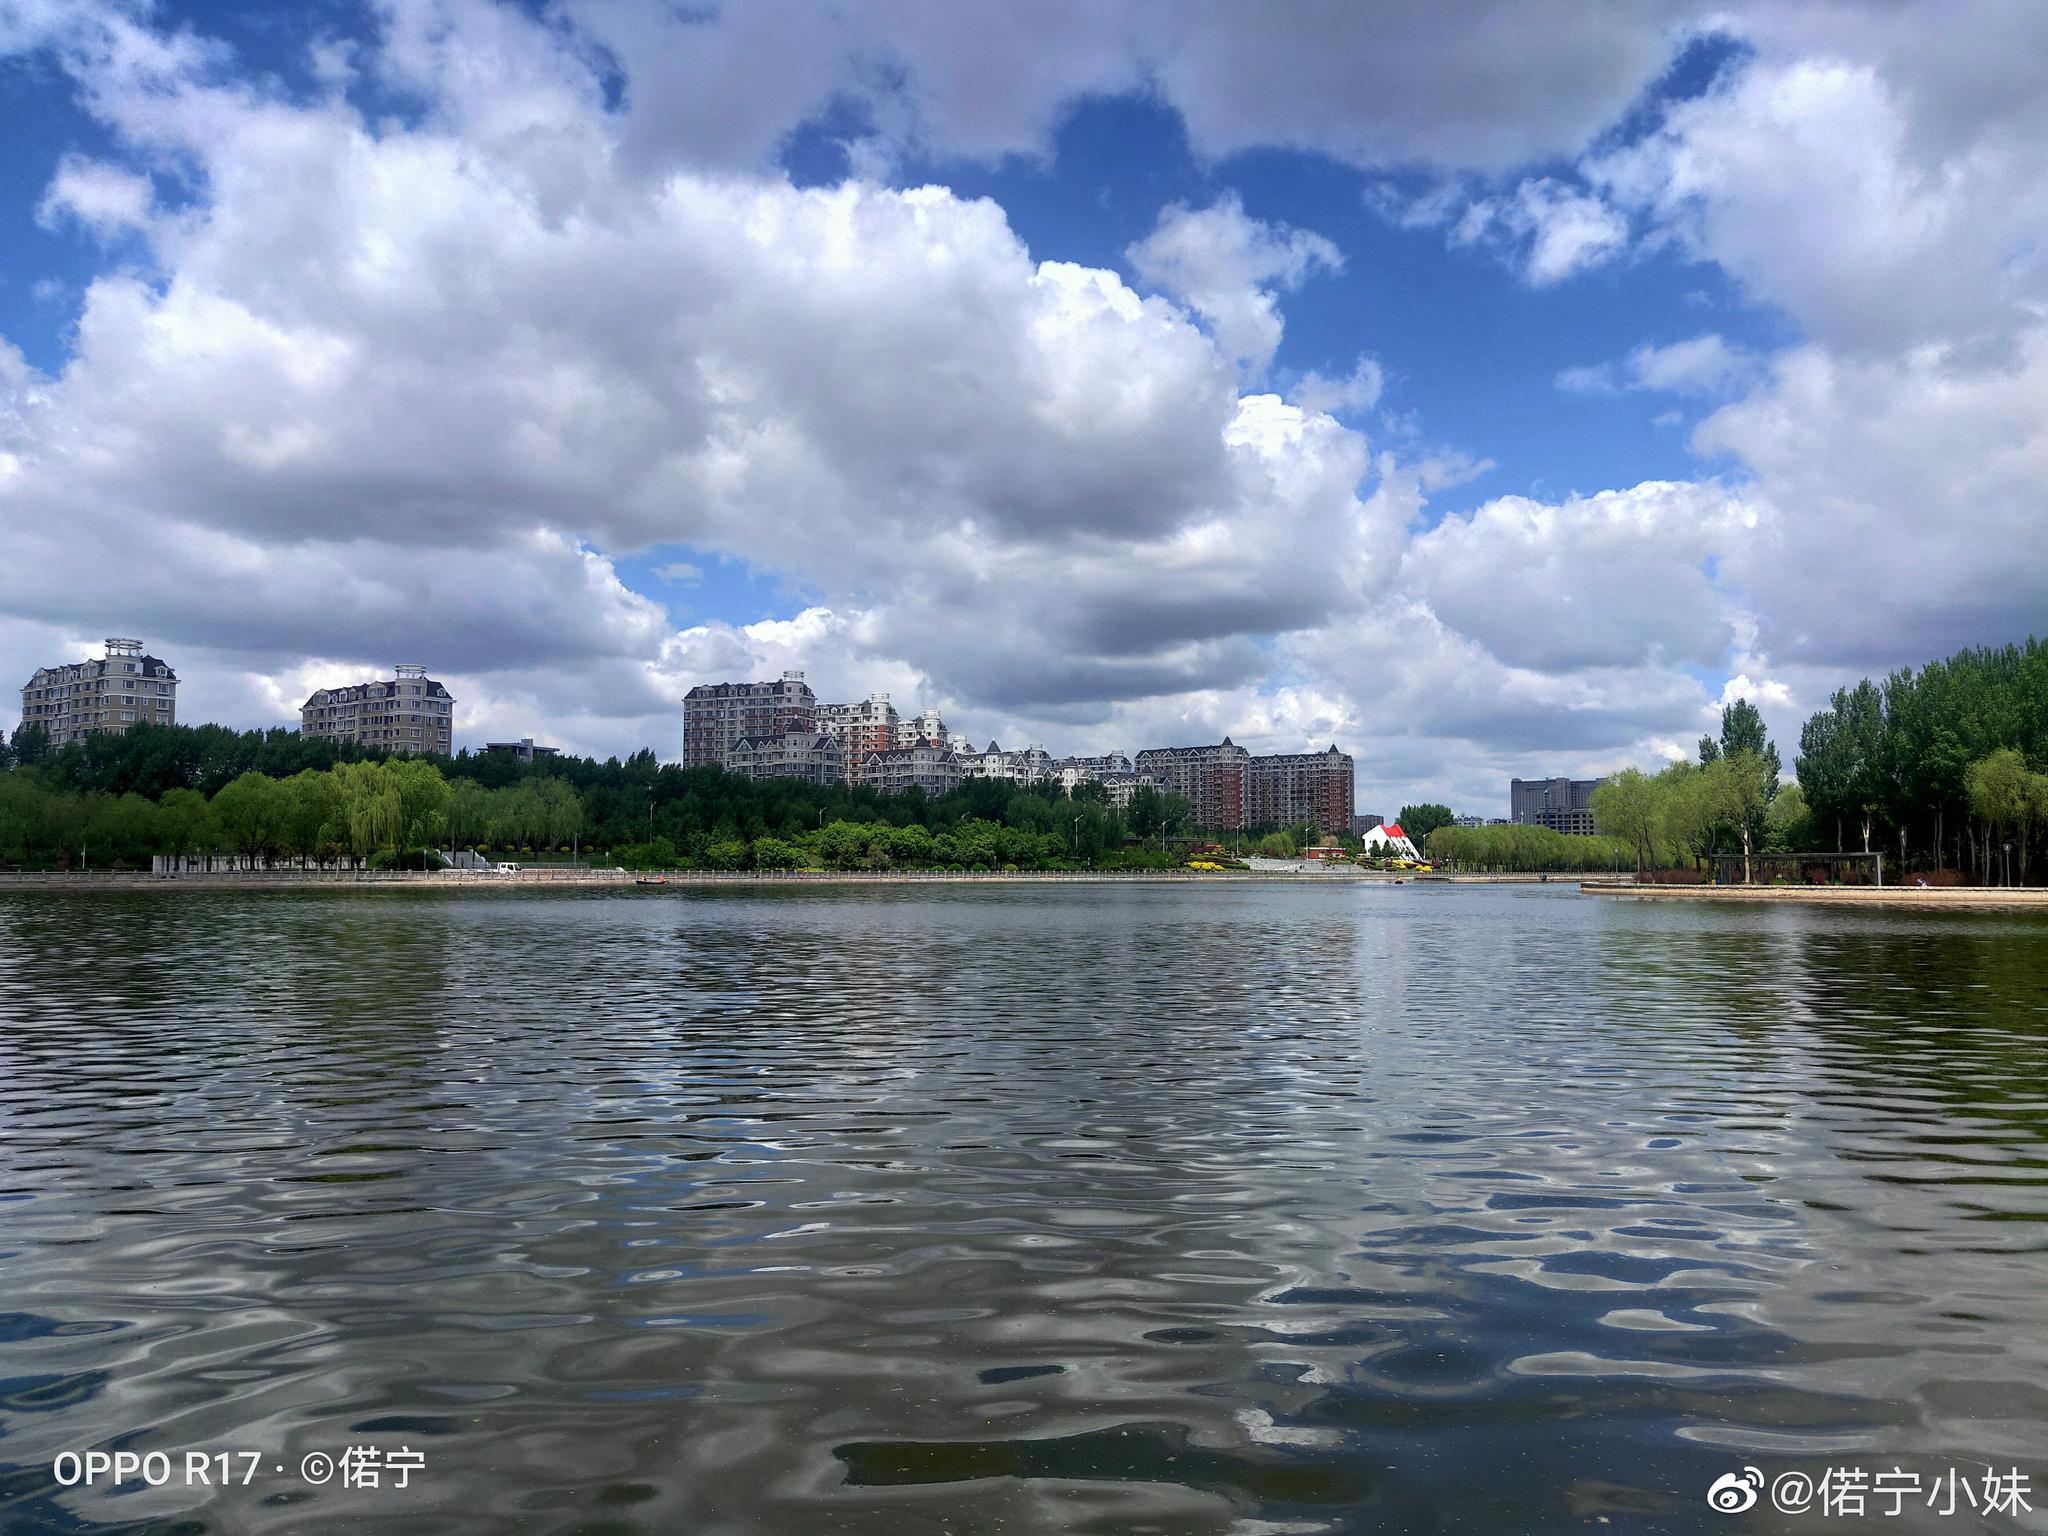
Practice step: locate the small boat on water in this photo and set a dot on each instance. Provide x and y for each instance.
(651, 880)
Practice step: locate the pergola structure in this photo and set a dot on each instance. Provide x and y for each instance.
(1802, 868)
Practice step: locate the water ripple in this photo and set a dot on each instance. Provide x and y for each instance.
(1108, 1209)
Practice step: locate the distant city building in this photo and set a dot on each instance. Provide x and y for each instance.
(1300, 788)
(1363, 822)
(1387, 840)
(1211, 779)
(933, 769)
(124, 688)
(925, 726)
(523, 749)
(717, 715)
(861, 730)
(811, 756)
(1561, 804)
(410, 714)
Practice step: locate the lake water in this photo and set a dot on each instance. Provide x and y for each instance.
(1015, 1209)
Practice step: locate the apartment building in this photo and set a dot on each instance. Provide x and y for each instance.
(718, 715)
(1300, 788)
(1210, 778)
(1121, 786)
(1561, 804)
(811, 756)
(410, 713)
(861, 730)
(923, 726)
(1069, 772)
(933, 769)
(111, 693)
(1027, 765)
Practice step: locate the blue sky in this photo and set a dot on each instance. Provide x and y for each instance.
(591, 352)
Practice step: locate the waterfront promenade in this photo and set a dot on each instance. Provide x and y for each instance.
(1919, 897)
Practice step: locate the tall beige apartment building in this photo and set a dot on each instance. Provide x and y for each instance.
(718, 716)
(121, 689)
(410, 713)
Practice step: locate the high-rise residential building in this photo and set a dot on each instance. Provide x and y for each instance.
(1300, 788)
(121, 689)
(935, 770)
(811, 756)
(861, 730)
(718, 715)
(410, 713)
(1211, 779)
(1363, 822)
(1561, 804)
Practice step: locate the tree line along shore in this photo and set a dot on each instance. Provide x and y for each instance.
(1942, 768)
(1939, 769)
(275, 799)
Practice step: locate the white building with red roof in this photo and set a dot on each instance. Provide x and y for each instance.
(1388, 841)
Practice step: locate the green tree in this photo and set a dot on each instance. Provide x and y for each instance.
(312, 813)
(471, 810)
(1742, 730)
(370, 813)
(1692, 801)
(24, 811)
(422, 795)
(2001, 794)
(251, 813)
(1418, 821)
(125, 826)
(1745, 792)
(1787, 826)
(1626, 806)
(186, 824)
(29, 746)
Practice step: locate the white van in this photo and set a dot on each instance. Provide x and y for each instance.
(507, 869)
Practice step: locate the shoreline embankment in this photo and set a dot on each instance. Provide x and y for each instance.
(1922, 898)
(583, 879)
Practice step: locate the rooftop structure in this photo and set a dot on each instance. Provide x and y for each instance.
(523, 749)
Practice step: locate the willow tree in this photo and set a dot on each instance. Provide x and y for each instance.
(2007, 799)
(1628, 806)
(370, 815)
